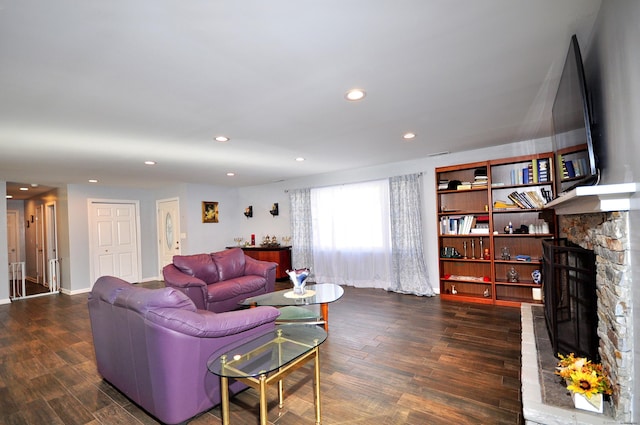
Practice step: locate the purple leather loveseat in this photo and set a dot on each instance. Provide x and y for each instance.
(219, 281)
(153, 345)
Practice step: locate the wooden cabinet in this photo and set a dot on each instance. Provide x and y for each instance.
(492, 222)
(280, 255)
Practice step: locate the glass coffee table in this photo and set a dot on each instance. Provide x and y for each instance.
(267, 359)
(291, 304)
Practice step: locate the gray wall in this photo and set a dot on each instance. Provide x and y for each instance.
(613, 74)
(4, 254)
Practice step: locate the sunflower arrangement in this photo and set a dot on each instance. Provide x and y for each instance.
(582, 376)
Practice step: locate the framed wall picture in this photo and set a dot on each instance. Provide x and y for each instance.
(209, 212)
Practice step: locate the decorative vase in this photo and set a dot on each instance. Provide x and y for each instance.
(593, 404)
(298, 278)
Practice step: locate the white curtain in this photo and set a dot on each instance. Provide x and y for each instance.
(351, 234)
(409, 268)
(301, 236)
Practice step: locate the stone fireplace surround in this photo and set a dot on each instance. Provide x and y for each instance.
(596, 219)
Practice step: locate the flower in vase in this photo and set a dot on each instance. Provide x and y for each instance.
(582, 376)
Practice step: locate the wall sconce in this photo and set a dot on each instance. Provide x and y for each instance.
(248, 212)
(274, 210)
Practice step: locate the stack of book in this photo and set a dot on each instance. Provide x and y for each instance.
(464, 186)
(480, 178)
(504, 205)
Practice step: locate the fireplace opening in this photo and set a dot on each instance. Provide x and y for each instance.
(570, 304)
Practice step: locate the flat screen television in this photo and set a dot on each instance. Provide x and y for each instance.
(573, 144)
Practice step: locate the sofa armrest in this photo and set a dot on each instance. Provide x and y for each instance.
(206, 324)
(194, 288)
(266, 269)
(258, 267)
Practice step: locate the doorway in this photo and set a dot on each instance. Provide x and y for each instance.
(168, 223)
(114, 231)
(47, 270)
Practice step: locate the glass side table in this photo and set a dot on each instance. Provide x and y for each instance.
(267, 359)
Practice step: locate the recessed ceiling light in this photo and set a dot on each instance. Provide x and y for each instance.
(222, 139)
(299, 159)
(93, 181)
(409, 136)
(9, 196)
(24, 188)
(355, 94)
(150, 163)
(230, 174)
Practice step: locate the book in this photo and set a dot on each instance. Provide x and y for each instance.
(543, 170)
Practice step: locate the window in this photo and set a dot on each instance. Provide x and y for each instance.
(351, 234)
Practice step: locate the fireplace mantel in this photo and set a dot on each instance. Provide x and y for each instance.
(595, 199)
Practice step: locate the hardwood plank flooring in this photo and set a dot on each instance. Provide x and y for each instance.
(389, 359)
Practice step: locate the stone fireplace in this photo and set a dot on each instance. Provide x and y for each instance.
(607, 234)
(597, 218)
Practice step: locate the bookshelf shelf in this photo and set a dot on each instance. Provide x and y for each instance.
(514, 192)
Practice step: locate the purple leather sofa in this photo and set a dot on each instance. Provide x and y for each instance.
(153, 345)
(219, 281)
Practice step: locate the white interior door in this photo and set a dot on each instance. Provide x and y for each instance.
(114, 242)
(13, 236)
(168, 222)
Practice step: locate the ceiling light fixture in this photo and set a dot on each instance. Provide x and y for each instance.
(24, 189)
(230, 174)
(409, 136)
(222, 139)
(355, 94)
(299, 159)
(439, 153)
(8, 196)
(93, 181)
(150, 163)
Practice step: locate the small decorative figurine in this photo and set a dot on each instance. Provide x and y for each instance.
(453, 289)
(512, 275)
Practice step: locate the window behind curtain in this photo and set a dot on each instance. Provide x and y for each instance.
(351, 234)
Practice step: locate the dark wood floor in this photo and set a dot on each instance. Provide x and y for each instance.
(390, 359)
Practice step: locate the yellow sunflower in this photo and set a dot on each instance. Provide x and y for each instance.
(586, 383)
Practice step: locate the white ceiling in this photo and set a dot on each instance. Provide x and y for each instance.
(92, 89)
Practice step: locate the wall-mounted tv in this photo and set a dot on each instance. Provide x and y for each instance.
(573, 142)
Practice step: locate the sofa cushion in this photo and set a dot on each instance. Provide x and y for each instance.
(230, 263)
(201, 266)
(234, 288)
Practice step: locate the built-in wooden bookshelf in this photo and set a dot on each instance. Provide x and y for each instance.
(492, 220)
